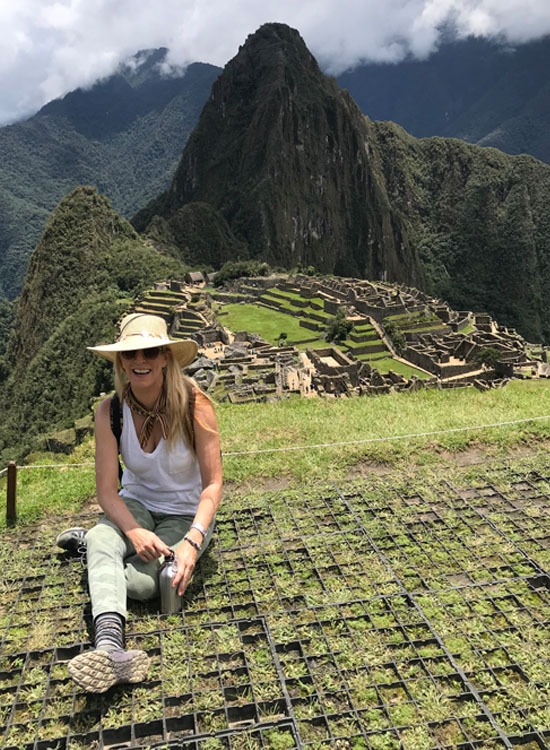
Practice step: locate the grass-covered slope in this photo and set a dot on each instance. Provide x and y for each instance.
(367, 432)
(86, 270)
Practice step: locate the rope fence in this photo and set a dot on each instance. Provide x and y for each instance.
(12, 468)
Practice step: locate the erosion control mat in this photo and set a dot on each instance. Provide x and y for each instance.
(403, 614)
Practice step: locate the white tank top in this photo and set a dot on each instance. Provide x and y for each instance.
(163, 481)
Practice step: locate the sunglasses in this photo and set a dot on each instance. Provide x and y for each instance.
(151, 353)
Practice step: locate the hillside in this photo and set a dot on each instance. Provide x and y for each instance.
(290, 166)
(476, 89)
(124, 136)
(86, 270)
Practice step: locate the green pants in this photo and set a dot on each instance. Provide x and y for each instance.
(115, 572)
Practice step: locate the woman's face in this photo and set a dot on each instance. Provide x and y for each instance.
(143, 370)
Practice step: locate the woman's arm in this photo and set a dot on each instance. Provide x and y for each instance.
(146, 544)
(207, 447)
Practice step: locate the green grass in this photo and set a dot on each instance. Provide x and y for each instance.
(302, 422)
(304, 312)
(379, 612)
(295, 295)
(57, 490)
(267, 323)
(387, 363)
(422, 329)
(361, 344)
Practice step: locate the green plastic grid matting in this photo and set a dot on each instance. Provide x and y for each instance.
(375, 619)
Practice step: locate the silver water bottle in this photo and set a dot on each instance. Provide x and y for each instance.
(170, 600)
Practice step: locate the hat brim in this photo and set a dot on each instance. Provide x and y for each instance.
(184, 352)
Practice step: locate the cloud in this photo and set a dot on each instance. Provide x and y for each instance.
(51, 47)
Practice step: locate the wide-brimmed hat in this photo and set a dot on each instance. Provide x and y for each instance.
(142, 331)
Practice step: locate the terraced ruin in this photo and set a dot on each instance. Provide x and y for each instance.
(264, 338)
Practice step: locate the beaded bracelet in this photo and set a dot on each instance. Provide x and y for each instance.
(192, 542)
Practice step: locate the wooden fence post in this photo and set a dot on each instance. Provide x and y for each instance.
(11, 511)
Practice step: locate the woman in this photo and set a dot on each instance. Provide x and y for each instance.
(171, 489)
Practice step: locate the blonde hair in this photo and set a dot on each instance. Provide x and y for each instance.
(179, 388)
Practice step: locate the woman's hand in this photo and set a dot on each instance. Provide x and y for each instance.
(186, 556)
(147, 544)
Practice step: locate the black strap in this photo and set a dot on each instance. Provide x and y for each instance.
(116, 425)
(192, 413)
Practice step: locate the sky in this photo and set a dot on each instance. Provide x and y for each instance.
(51, 47)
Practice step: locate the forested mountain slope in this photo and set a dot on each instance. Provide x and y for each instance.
(86, 270)
(125, 136)
(476, 89)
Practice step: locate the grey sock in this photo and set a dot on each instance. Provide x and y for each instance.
(109, 631)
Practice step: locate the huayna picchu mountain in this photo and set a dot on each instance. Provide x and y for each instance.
(285, 158)
(298, 176)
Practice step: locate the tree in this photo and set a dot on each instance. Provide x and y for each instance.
(282, 338)
(338, 326)
(489, 356)
(395, 334)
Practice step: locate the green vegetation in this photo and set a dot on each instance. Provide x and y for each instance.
(125, 135)
(338, 327)
(415, 615)
(237, 269)
(488, 356)
(395, 334)
(387, 363)
(302, 422)
(309, 421)
(266, 323)
(85, 272)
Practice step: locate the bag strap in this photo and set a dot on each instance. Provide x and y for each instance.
(115, 413)
(192, 398)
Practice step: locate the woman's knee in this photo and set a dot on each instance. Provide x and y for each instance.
(103, 535)
(142, 581)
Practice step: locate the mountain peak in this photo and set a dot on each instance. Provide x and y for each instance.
(283, 155)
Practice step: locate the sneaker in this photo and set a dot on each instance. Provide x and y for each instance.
(72, 540)
(97, 671)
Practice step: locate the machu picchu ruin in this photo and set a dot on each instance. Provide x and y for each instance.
(400, 339)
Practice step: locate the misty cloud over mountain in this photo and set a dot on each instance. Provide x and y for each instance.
(51, 47)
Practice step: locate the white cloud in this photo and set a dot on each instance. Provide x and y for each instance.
(51, 47)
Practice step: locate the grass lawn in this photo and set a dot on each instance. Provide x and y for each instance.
(400, 367)
(302, 422)
(305, 312)
(267, 323)
(295, 295)
(361, 344)
(260, 320)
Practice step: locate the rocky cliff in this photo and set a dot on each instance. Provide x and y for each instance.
(289, 162)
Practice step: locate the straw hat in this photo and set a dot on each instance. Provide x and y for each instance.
(142, 331)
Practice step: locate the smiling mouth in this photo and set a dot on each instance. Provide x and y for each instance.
(140, 372)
